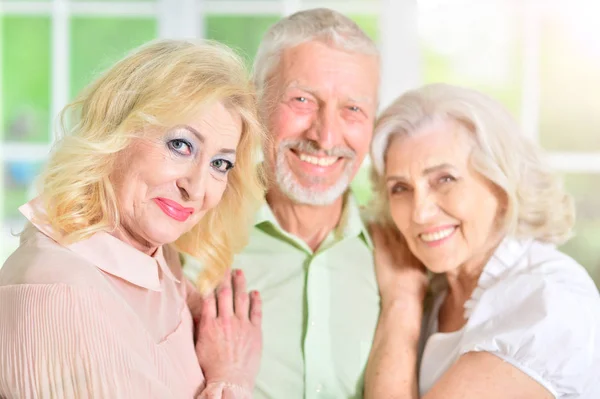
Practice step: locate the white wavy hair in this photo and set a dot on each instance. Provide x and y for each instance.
(321, 24)
(537, 205)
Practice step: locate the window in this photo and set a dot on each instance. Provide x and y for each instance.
(540, 59)
(52, 48)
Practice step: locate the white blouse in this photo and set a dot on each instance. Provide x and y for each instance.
(535, 308)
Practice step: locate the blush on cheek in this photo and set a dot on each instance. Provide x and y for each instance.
(287, 123)
(400, 216)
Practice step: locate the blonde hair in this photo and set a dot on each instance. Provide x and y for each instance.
(320, 24)
(156, 85)
(537, 205)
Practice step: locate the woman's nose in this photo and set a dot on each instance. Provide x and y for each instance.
(193, 185)
(425, 208)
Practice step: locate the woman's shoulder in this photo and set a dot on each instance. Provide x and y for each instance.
(536, 269)
(547, 259)
(542, 314)
(531, 276)
(41, 260)
(45, 278)
(542, 289)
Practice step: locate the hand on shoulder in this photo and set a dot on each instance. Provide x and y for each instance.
(400, 275)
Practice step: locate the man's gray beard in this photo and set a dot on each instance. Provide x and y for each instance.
(287, 183)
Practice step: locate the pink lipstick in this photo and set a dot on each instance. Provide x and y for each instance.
(173, 209)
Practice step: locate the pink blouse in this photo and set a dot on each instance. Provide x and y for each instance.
(97, 319)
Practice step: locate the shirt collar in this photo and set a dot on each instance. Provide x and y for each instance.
(108, 253)
(351, 222)
(508, 254)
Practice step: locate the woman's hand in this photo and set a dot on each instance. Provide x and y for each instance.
(229, 342)
(392, 367)
(400, 275)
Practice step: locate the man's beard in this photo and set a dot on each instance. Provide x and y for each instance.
(307, 195)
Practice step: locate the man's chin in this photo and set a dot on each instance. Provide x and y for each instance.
(313, 194)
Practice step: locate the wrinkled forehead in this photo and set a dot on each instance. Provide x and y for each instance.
(324, 68)
(211, 123)
(193, 113)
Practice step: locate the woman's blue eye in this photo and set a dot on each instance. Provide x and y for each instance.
(222, 165)
(180, 146)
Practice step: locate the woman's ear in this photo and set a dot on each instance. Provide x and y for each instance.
(502, 201)
(502, 207)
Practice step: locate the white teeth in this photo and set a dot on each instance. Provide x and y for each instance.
(320, 161)
(438, 235)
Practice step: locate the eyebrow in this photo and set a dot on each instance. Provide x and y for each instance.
(314, 92)
(201, 138)
(426, 171)
(435, 168)
(294, 85)
(367, 100)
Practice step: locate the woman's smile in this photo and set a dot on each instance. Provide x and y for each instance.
(174, 209)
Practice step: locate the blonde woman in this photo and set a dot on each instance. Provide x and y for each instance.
(159, 158)
(469, 198)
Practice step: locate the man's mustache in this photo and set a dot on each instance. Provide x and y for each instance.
(312, 148)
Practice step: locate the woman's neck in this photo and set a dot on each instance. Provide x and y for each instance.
(136, 241)
(462, 281)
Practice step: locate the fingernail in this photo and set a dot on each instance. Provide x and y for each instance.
(238, 272)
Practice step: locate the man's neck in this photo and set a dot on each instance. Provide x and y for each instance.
(310, 223)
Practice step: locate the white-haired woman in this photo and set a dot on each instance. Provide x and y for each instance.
(469, 198)
(93, 303)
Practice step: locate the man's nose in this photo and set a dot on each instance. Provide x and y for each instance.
(327, 128)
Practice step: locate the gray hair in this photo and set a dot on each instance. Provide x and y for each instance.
(537, 207)
(316, 24)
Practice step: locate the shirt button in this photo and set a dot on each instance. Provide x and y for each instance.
(319, 388)
(312, 324)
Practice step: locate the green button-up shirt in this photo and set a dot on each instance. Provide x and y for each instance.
(320, 308)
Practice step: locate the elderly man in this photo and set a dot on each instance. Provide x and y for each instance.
(310, 254)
